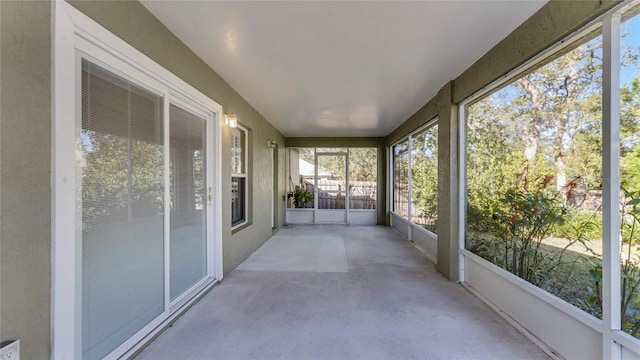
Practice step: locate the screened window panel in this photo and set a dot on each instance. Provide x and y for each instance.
(237, 200)
(630, 178)
(188, 212)
(363, 185)
(424, 179)
(332, 181)
(534, 160)
(122, 168)
(401, 179)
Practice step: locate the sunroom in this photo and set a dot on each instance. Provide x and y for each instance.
(172, 143)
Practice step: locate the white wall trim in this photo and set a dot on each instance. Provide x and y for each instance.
(626, 340)
(65, 311)
(431, 257)
(585, 318)
(429, 234)
(531, 336)
(137, 346)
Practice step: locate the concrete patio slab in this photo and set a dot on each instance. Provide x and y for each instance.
(390, 304)
(306, 251)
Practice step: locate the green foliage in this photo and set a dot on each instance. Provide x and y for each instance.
(629, 268)
(528, 216)
(363, 164)
(630, 169)
(118, 173)
(301, 197)
(630, 114)
(588, 223)
(424, 181)
(630, 271)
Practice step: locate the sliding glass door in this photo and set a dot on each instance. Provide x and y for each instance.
(122, 172)
(144, 203)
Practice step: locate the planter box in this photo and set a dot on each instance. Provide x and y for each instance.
(299, 216)
(362, 217)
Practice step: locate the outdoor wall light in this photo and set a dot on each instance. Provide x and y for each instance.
(231, 120)
(271, 143)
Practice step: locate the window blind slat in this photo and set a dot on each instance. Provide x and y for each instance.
(122, 203)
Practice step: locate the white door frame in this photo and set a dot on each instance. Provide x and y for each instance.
(75, 35)
(318, 212)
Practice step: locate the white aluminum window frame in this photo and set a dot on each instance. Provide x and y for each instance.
(392, 162)
(76, 36)
(409, 137)
(350, 214)
(244, 175)
(612, 335)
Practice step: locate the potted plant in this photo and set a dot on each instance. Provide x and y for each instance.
(300, 197)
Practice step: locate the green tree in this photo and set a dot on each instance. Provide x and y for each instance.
(424, 178)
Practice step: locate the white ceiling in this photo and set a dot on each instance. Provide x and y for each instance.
(340, 68)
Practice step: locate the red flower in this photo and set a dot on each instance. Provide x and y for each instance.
(515, 218)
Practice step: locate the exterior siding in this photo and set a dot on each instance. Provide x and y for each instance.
(25, 175)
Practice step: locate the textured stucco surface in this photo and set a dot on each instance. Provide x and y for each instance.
(25, 175)
(131, 21)
(448, 214)
(551, 23)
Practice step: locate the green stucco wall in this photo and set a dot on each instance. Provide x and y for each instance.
(25, 175)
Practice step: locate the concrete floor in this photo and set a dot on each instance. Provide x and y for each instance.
(339, 292)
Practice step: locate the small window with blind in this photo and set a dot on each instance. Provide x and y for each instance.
(238, 177)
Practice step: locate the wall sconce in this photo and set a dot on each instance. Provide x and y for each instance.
(231, 120)
(271, 144)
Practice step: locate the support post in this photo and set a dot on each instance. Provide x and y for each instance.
(449, 215)
(611, 185)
